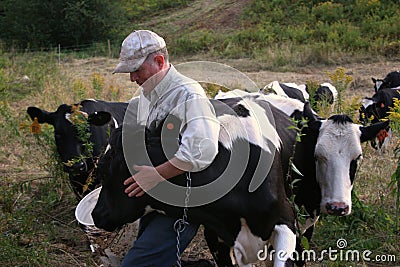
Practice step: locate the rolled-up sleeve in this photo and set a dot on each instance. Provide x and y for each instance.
(199, 131)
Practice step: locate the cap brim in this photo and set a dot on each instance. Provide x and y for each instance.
(127, 66)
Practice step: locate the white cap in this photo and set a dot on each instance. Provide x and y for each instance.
(135, 49)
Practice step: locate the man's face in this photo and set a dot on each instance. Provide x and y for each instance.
(145, 71)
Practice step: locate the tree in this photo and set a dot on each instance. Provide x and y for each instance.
(41, 23)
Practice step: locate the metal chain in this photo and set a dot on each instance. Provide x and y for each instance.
(180, 224)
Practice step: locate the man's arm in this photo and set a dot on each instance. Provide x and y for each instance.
(148, 177)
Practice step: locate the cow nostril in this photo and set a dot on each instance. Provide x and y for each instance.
(76, 167)
(337, 208)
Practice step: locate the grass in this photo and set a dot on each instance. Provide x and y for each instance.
(37, 225)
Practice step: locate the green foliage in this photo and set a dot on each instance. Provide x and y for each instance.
(356, 229)
(341, 81)
(328, 12)
(98, 84)
(361, 25)
(138, 10)
(79, 89)
(394, 117)
(53, 22)
(195, 42)
(299, 212)
(212, 89)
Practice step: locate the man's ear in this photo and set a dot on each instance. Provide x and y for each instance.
(160, 60)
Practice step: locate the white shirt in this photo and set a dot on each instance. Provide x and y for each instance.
(184, 98)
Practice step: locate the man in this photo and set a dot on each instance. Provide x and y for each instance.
(165, 91)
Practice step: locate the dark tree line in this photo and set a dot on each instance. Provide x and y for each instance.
(45, 23)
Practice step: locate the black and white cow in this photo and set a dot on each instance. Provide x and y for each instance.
(245, 220)
(318, 134)
(392, 80)
(327, 157)
(326, 92)
(290, 106)
(376, 108)
(69, 145)
(290, 90)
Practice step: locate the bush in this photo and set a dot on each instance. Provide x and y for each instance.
(328, 12)
(200, 41)
(392, 49)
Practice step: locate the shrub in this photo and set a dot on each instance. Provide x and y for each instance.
(328, 12)
(392, 49)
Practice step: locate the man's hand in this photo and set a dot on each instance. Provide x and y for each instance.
(144, 180)
(148, 177)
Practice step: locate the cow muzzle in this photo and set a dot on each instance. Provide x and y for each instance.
(76, 168)
(337, 208)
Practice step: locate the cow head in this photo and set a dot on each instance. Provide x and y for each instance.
(377, 107)
(391, 80)
(337, 154)
(377, 83)
(144, 147)
(72, 149)
(326, 92)
(373, 109)
(110, 211)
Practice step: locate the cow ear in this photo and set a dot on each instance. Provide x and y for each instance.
(370, 132)
(99, 118)
(373, 80)
(308, 112)
(43, 116)
(313, 120)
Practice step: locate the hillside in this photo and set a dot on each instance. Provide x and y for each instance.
(280, 35)
(214, 15)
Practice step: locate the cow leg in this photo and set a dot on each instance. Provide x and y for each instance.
(219, 250)
(309, 232)
(284, 243)
(299, 250)
(246, 247)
